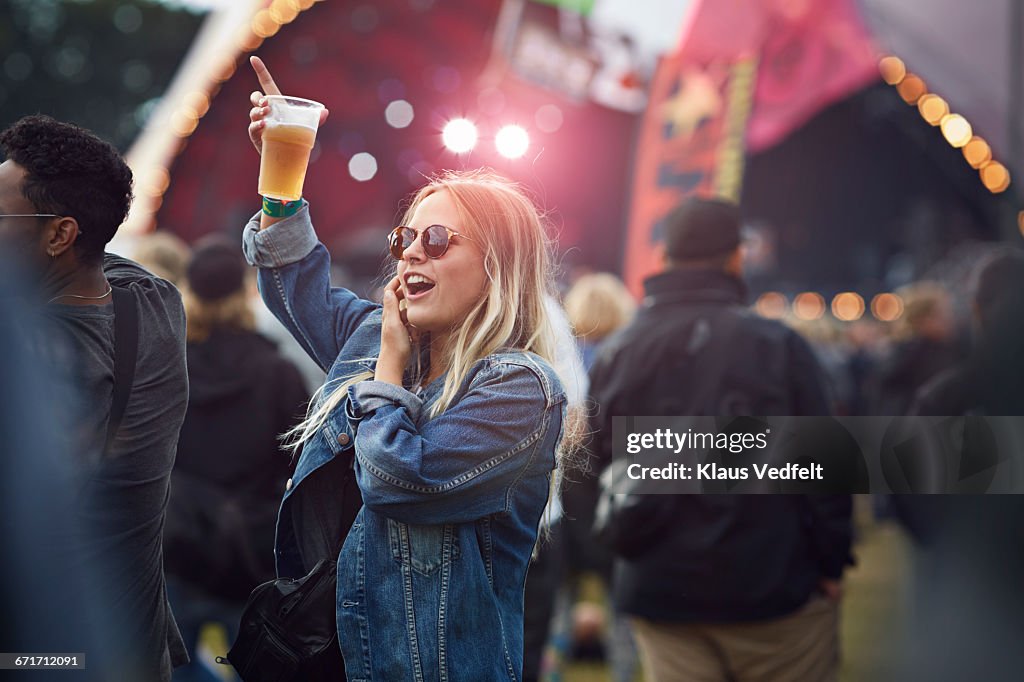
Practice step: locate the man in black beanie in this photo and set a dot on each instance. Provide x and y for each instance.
(731, 587)
(230, 470)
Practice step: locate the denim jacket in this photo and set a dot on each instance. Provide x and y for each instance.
(431, 575)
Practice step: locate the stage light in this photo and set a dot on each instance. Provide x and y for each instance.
(459, 135)
(772, 305)
(362, 166)
(893, 69)
(848, 306)
(977, 152)
(995, 176)
(887, 307)
(512, 141)
(956, 130)
(809, 305)
(399, 114)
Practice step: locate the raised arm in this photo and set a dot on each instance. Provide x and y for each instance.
(294, 277)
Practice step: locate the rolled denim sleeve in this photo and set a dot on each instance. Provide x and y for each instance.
(283, 243)
(461, 465)
(295, 284)
(367, 397)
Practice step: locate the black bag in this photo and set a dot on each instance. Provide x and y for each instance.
(288, 631)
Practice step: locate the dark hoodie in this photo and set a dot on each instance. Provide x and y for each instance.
(243, 395)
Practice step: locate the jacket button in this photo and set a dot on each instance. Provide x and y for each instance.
(288, 485)
(343, 438)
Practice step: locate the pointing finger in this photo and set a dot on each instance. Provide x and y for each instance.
(263, 74)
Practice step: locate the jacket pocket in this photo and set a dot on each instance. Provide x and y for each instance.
(425, 548)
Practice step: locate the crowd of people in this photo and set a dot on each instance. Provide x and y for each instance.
(438, 448)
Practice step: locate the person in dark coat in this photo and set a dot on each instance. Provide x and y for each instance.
(928, 346)
(989, 381)
(732, 587)
(230, 470)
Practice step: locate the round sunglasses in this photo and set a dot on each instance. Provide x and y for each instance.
(434, 239)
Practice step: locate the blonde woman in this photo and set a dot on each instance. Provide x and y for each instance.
(597, 305)
(441, 406)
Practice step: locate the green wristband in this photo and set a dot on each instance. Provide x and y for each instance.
(275, 208)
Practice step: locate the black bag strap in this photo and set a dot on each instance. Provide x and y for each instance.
(126, 350)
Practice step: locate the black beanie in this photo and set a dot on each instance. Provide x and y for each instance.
(702, 228)
(217, 269)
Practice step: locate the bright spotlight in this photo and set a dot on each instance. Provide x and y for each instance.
(512, 141)
(459, 135)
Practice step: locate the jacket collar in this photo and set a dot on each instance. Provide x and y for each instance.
(698, 285)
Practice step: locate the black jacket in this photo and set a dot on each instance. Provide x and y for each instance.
(243, 395)
(721, 558)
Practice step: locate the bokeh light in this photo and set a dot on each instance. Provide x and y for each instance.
(932, 108)
(362, 166)
(809, 305)
(399, 114)
(995, 176)
(772, 305)
(263, 24)
(912, 88)
(893, 69)
(284, 11)
(977, 152)
(459, 135)
(848, 306)
(887, 307)
(548, 118)
(956, 130)
(512, 141)
(158, 182)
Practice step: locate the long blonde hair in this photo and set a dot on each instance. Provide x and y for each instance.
(498, 215)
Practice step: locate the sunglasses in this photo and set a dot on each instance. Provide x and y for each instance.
(434, 239)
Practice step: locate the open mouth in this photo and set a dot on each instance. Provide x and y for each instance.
(417, 285)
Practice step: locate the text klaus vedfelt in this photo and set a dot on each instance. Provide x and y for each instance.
(667, 439)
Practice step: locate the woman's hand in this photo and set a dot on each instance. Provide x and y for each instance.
(260, 108)
(395, 337)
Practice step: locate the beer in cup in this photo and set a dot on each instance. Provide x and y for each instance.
(287, 140)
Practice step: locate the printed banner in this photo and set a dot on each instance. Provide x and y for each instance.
(747, 73)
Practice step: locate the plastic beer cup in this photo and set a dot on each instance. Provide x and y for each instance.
(287, 141)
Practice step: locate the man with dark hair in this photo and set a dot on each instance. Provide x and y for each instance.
(720, 587)
(63, 194)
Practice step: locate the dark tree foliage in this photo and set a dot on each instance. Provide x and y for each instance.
(101, 64)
